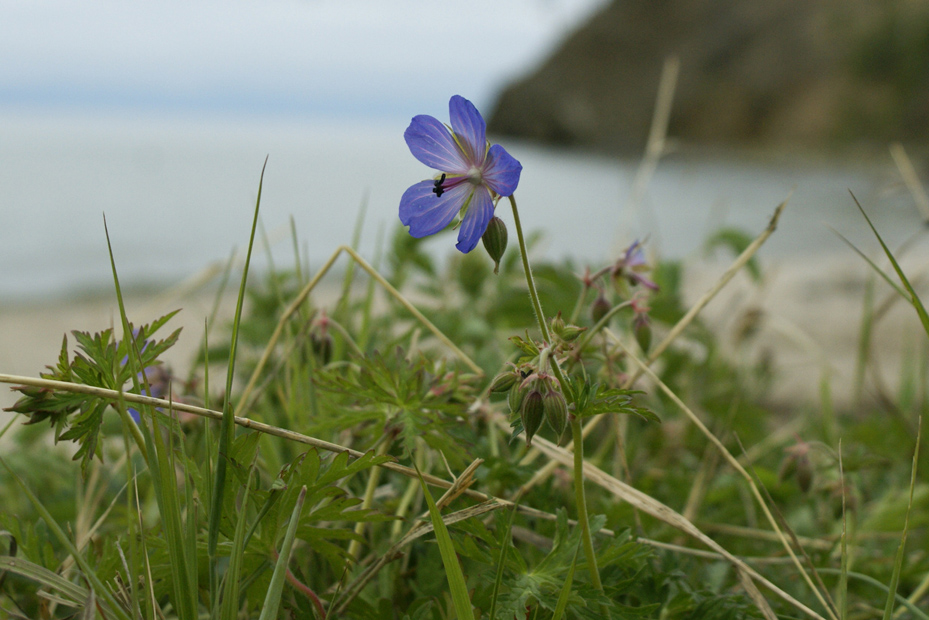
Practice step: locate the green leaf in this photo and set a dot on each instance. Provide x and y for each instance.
(227, 431)
(456, 580)
(913, 297)
(276, 587)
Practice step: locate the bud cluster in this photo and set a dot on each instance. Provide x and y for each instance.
(632, 287)
(535, 397)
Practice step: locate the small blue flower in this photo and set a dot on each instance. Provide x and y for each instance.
(473, 174)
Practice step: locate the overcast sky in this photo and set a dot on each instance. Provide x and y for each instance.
(302, 57)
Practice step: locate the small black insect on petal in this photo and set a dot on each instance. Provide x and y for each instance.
(438, 190)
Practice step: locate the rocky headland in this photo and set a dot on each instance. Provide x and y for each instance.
(806, 73)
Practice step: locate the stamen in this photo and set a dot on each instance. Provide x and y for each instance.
(438, 190)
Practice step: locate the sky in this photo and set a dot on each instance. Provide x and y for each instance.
(370, 58)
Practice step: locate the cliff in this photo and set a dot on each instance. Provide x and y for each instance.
(812, 73)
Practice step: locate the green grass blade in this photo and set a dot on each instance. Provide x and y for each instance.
(168, 499)
(910, 607)
(49, 579)
(227, 431)
(913, 297)
(566, 588)
(134, 361)
(501, 560)
(230, 604)
(86, 570)
(456, 580)
(151, 446)
(873, 265)
(842, 594)
(898, 561)
(276, 587)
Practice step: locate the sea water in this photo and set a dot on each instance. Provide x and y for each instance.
(178, 194)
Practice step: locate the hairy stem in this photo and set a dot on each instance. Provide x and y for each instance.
(581, 501)
(575, 423)
(537, 305)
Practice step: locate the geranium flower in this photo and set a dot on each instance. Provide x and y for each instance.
(473, 174)
(630, 266)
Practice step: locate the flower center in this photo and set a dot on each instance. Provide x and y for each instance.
(475, 176)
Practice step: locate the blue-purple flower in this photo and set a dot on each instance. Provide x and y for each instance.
(472, 175)
(631, 264)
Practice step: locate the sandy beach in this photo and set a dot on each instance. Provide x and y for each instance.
(805, 314)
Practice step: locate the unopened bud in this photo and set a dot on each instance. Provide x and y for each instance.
(556, 411)
(572, 332)
(504, 381)
(599, 308)
(642, 329)
(495, 238)
(515, 398)
(558, 324)
(321, 344)
(531, 414)
(804, 473)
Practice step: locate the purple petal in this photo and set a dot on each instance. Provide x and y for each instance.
(634, 256)
(470, 128)
(478, 215)
(432, 144)
(636, 278)
(425, 213)
(501, 171)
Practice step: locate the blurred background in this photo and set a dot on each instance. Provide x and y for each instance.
(160, 114)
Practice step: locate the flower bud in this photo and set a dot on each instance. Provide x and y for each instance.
(321, 343)
(797, 465)
(599, 308)
(516, 396)
(504, 381)
(558, 324)
(556, 411)
(494, 239)
(572, 332)
(804, 473)
(642, 330)
(531, 414)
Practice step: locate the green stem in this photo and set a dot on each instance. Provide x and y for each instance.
(581, 501)
(537, 305)
(579, 304)
(601, 324)
(575, 423)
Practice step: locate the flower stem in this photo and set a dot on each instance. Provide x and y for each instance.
(537, 305)
(575, 423)
(580, 499)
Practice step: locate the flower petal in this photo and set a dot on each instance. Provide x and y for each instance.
(432, 144)
(501, 171)
(425, 213)
(470, 128)
(478, 216)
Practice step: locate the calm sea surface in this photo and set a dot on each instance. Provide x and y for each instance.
(178, 195)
